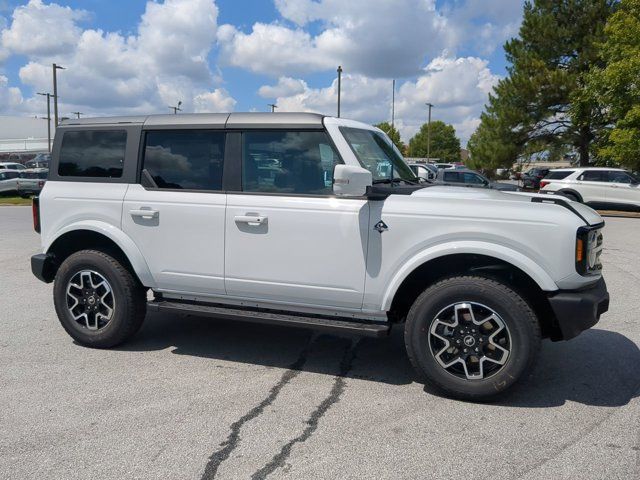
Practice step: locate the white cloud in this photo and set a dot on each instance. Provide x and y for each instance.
(218, 100)
(166, 61)
(375, 38)
(39, 29)
(285, 87)
(457, 87)
(9, 96)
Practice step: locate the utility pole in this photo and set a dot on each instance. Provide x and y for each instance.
(55, 92)
(339, 87)
(430, 105)
(177, 108)
(77, 114)
(48, 118)
(273, 107)
(393, 104)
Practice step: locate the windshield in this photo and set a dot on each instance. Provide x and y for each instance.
(376, 153)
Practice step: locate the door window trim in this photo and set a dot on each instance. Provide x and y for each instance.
(235, 184)
(141, 152)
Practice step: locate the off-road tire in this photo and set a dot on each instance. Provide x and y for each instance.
(129, 294)
(522, 324)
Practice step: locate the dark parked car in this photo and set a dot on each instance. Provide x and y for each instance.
(39, 161)
(532, 178)
(470, 178)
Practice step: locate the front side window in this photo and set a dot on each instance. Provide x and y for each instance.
(473, 178)
(292, 162)
(92, 153)
(185, 159)
(376, 153)
(616, 176)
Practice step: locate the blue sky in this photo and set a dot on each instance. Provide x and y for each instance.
(244, 54)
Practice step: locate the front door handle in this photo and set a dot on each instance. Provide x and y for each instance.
(145, 213)
(253, 220)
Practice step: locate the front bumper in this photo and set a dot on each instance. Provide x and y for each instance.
(578, 310)
(43, 267)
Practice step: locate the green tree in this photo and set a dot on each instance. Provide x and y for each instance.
(393, 134)
(616, 86)
(540, 106)
(444, 143)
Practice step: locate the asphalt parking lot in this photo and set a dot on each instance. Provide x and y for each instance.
(197, 398)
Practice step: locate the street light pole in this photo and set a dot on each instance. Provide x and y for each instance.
(48, 95)
(393, 104)
(430, 105)
(339, 87)
(55, 91)
(273, 107)
(77, 114)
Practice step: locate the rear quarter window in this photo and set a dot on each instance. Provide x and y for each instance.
(559, 175)
(92, 153)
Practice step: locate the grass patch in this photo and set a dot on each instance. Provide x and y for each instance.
(15, 201)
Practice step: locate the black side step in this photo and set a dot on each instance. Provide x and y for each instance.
(335, 324)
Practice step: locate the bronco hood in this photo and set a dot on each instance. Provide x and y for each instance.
(587, 214)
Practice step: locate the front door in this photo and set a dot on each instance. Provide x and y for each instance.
(623, 189)
(177, 218)
(288, 240)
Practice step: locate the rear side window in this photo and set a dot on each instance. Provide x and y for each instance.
(185, 159)
(288, 162)
(451, 177)
(92, 153)
(559, 175)
(595, 176)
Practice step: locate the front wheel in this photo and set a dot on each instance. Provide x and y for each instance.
(471, 337)
(98, 301)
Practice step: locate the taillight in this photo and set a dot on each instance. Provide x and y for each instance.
(543, 184)
(35, 210)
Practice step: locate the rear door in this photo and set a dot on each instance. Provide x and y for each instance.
(288, 239)
(176, 213)
(593, 186)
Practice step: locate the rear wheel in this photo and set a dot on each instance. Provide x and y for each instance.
(571, 196)
(98, 301)
(471, 337)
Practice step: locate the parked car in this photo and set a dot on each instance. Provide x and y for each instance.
(31, 181)
(9, 181)
(442, 166)
(470, 178)
(11, 166)
(531, 179)
(426, 171)
(599, 187)
(176, 205)
(41, 160)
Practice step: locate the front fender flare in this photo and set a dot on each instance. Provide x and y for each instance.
(121, 239)
(500, 252)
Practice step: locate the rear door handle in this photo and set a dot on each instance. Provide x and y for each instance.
(145, 213)
(253, 220)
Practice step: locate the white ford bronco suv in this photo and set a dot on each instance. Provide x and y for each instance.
(306, 220)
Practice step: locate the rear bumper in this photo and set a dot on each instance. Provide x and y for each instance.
(579, 310)
(43, 267)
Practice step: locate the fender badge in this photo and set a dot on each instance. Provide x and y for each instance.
(381, 226)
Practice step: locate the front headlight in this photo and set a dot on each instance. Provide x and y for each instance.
(588, 249)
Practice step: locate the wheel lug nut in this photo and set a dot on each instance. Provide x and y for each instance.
(465, 350)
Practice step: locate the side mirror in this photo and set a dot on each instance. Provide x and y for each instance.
(351, 181)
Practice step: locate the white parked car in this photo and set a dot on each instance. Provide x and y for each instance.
(313, 221)
(11, 166)
(9, 181)
(598, 187)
